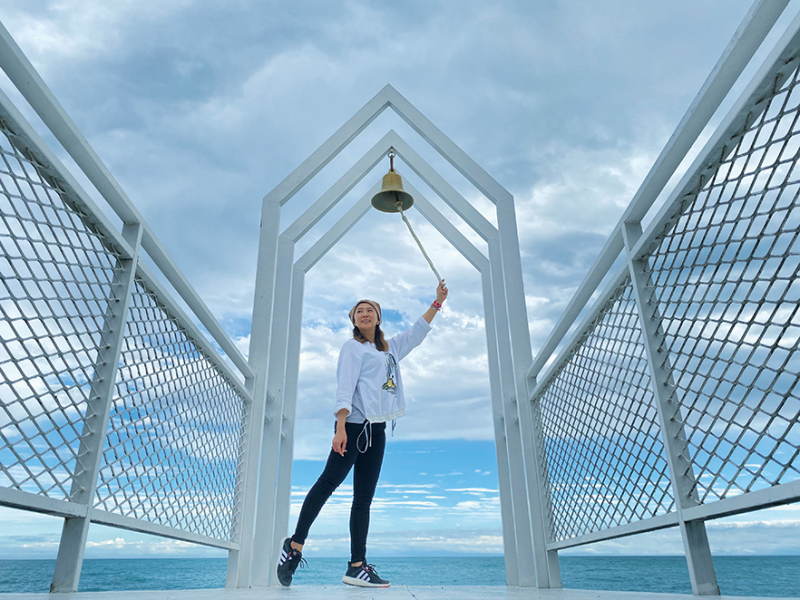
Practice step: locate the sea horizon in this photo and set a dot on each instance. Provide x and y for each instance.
(766, 575)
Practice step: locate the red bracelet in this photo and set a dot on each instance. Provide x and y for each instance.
(436, 304)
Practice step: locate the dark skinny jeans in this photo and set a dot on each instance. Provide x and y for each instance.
(365, 480)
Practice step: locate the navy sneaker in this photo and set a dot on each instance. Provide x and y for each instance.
(363, 575)
(287, 565)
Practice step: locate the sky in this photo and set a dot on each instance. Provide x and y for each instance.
(200, 108)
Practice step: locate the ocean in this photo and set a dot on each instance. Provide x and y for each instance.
(737, 575)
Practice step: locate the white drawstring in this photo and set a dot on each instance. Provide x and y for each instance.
(368, 432)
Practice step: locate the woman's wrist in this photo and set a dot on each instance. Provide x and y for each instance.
(436, 305)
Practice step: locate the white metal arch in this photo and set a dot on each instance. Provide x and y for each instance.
(276, 321)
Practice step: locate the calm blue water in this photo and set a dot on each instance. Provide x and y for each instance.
(738, 575)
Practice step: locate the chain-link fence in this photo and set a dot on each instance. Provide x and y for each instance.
(173, 441)
(605, 458)
(721, 266)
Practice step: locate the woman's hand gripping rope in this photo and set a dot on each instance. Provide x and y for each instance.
(441, 292)
(436, 305)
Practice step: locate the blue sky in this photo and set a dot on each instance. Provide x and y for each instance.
(199, 108)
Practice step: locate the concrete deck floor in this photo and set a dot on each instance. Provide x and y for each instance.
(344, 592)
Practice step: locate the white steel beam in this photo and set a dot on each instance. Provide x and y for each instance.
(517, 456)
(506, 485)
(298, 178)
(265, 540)
(634, 528)
(474, 256)
(132, 524)
(14, 498)
(283, 487)
(101, 394)
(546, 562)
(784, 493)
(673, 436)
(259, 355)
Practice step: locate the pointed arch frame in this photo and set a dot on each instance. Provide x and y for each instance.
(277, 318)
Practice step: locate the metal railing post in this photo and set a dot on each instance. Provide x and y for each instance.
(238, 572)
(69, 561)
(684, 485)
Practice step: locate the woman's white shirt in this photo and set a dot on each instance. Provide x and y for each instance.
(369, 382)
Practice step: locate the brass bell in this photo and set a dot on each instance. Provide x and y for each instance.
(392, 197)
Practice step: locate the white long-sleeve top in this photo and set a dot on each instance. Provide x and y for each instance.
(369, 381)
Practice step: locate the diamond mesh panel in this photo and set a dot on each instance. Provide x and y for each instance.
(55, 284)
(174, 437)
(725, 275)
(602, 447)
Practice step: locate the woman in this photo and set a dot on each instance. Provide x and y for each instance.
(369, 393)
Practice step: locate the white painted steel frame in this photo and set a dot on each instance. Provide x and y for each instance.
(278, 308)
(71, 188)
(79, 512)
(136, 234)
(627, 237)
(73, 537)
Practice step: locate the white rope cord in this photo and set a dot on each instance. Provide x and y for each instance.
(416, 239)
